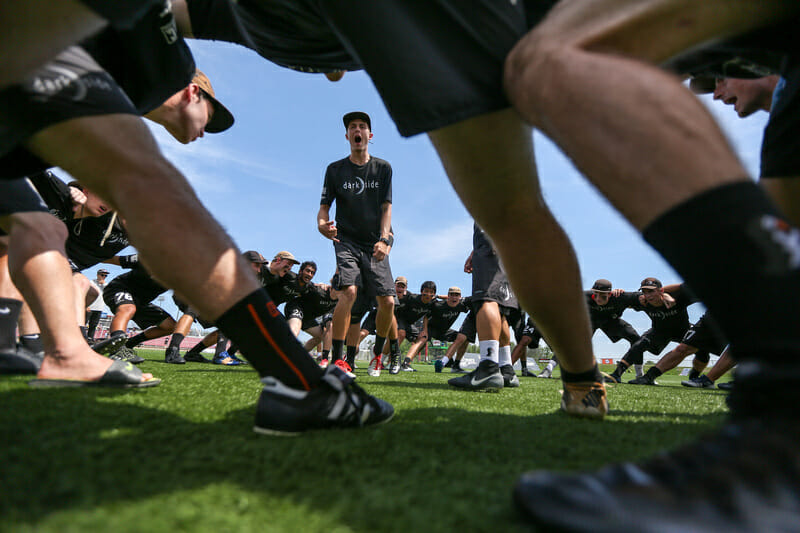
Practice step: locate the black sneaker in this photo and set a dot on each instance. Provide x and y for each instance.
(510, 378)
(20, 361)
(394, 365)
(486, 378)
(743, 478)
(128, 355)
(612, 378)
(110, 344)
(173, 356)
(728, 385)
(643, 380)
(195, 357)
(336, 403)
(701, 382)
(456, 369)
(450, 363)
(527, 373)
(406, 367)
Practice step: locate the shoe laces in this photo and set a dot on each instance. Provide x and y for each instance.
(353, 404)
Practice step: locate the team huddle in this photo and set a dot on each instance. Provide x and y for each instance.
(601, 78)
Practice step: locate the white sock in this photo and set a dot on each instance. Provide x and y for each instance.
(504, 355)
(445, 360)
(490, 350)
(551, 366)
(638, 370)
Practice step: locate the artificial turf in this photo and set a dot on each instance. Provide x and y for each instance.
(182, 456)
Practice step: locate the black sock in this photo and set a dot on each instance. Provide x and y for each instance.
(233, 349)
(653, 372)
(694, 374)
(351, 355)
(176, 340)
(197, 348)
(591, 375)
(407, 361)
(394, 346)
(9, 314)
(523, 364)
(84, 332)
(222, 343)
(621, 368)
(32, 342)
(326, 354)
(379, 342)
(94, 320)
(336, 350)
(136, 340)
(256, 325)
(731, 246)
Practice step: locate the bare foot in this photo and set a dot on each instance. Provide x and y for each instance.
(81, 364)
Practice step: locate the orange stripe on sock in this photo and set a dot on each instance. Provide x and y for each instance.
(275, 347)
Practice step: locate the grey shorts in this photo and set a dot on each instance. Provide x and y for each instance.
(357, 267)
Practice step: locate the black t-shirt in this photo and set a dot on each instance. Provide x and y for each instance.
(281, 288)
(442, 315)
(672, 321)
(282, 31)
(83, 243)
(138, 282)
(601, 315)
(316, 301)
(360, 192)
(412, 308)
(150, 61)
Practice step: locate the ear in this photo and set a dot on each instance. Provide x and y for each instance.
(370, 135)
(191, 93)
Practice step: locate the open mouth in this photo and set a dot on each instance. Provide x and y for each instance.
(357, 139)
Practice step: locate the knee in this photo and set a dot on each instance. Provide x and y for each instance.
(529, 71)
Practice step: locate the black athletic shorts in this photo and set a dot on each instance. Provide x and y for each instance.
(413, 331)
(468, 328)
(70, 86)
(121, 13)
(533, 334)
(294, 309)
(705, 337)
(20, 196)
(444, 336)
(356, 266)
(489, 282)
(147, 314)
(369, 323)
(619, 329)
(185, 309)
(655, 341)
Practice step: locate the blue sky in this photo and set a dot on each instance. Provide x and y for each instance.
(262, 180)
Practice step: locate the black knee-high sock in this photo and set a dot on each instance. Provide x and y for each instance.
(740, 257)
(394, 346)
(197, 348)
(9, 314)
(351, 355)
(379, 342)
(336, 350)
(222, 342)
(136, 340)
(256, 325)
(93, 321)
(176, 340)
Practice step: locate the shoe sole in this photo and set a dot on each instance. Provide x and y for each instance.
(280, 433)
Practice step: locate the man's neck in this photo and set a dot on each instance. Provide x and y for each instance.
(359, 158)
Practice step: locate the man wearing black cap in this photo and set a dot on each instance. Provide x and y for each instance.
(670, 321)
(96, 309)
(361, 186)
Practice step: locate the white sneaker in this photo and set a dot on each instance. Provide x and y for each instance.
(546, 373)
(374, 368)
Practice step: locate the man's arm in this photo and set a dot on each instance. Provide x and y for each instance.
(326, 226)
(381, 249)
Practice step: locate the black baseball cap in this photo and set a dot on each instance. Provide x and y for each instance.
(254, 257)
(602, 285)
(356, 115)
(650, 283)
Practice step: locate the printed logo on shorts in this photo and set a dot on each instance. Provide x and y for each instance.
(779, 242)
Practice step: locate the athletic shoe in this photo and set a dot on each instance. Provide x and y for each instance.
(527, 374)
(450, 363)
(456, 368)
(241, 361)
(743, 478)
(406, 367)
(337, 402)
(728, 385)
(323, 363)
(702, 382)
(111, 344)
(644, 380)
(437, 366)
(344, 367)
(126, 354)
(173, 356)
(195, 357)
(585, 399)
(546, 373)
(486, 377)
(612, 378)
(20, 361)
(394, 365)
(375, 366)
(222, 358)
(510, 378)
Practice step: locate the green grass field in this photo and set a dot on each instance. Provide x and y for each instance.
(183, 457)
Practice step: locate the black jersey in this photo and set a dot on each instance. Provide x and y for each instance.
(316, 301)
(138, 283)
(278, 30)
(442, 315)
(359, 192)
(83, 243)
(281, 288)
(674, 320)
(602, 315)
(412, 308)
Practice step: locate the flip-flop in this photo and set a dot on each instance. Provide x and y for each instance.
(120, 374)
